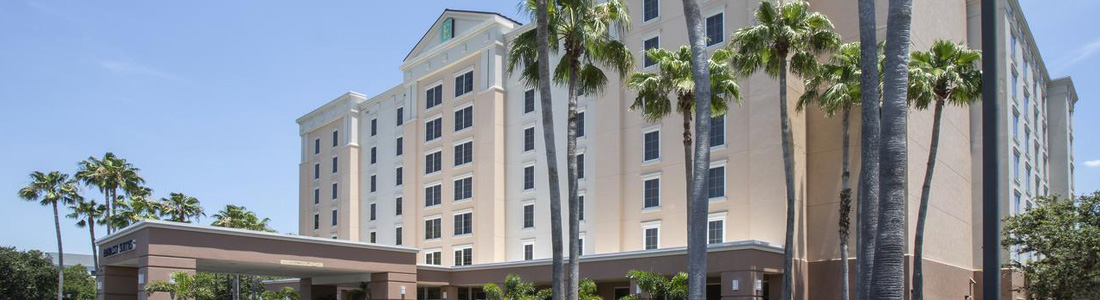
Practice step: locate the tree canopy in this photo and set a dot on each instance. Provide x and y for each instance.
(1059, 240)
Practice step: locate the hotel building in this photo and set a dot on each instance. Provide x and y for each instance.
(443, 178)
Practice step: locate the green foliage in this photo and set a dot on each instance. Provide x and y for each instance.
(657, 286)
(184, 286)
(286, 293)
(514, 289)
(1063, 236)
(26, 275)
(789, 30)
(234, 216)
(139, 207)
(835, 86)
(946, 72)
(181, 208)
(674, 77)
(53, 188)
(79, 285)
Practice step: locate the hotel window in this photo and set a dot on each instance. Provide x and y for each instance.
(464, 256)
(373, 155)
(316, 196)
(399, 176)
(373, 211)
(529, 101)
(433, 228)
(1016, 201)
(716, 182)
(528, 251)
(718, 131)
(316, 146)
(316, 171)
(580, 244)
(464, 83)
(432, 258)
(398, 206)
(464, 153)
(334, 164)
(373, 183)
(716, 231)
(651, 235)
(651, 43)
(650, 9)
(334, 191)
(580, 207)
(433, 129)
(1016, 166)
(464, 189)
(529, 138)
(464, 223)
(334, 217)
(397, 236)
(716, 30)
(651, 192)
(529, 216)
(373, 237)
(400, 116)
(434, 97)
(400, 146)
(374, 127)
(1015, 124)
(528, 178)
(335, 138)
(580, 124)
(316, 221)
(1014, 93)
(651, 144)
(1027, 179)
(432, 195)
(464, 118)
(580, 166)
(433, 162)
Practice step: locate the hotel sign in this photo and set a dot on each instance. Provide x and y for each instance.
(301, 263)
(119, 248)
(448, 30)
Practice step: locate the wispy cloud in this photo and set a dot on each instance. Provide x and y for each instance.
(134, 69)
(1093, 163)
(1081, 54)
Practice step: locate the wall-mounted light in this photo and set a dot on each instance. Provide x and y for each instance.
(402, 290)
(735, 285)
(759, 285)
(444, 294)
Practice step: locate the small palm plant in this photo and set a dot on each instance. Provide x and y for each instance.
(946, 73)
(53, 189)
(184, 286)
(181, 208)
(658, 286)
(514, 289)
(87, 212)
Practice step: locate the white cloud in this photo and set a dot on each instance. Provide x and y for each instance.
(125, 68)
(1083, 53)
(1093, 163)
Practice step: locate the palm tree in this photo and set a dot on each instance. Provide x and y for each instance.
(889, 265)
(240, 217)
(286, 293)
(659, 287)
(139, 207)
(109, 174)
(181, 208)
(868, 149)
(87, 212)
(183, 286)
(673, 77)
(835, 87)
(946, 73)
(52, 189)
(585, 29)
(514, 289)
(787, 30)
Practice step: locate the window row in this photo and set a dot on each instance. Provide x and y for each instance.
(463, 190)
(464, 119)
(463, 256)
(463, 155)
(335, 142)
(464, 84)
(715, 187)
(463, 225)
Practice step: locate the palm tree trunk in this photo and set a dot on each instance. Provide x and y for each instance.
(788, 175)
(697, 210)
(845, 206)
(542, 34)
(868, 149)
(110, 209)
(922, 216)
(889, 273)
(573, 276)
(236, 287)
(60, 255)
(95, 254)
(687, 155)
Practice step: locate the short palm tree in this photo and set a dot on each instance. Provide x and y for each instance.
(660, 287)
(514, 289)
(233, 216)
(181, 208)
(109, 174)
(585, 29)
(53, 189)
(947, 73)
(787, 31)
(87, 212)
(674, 78)
(184, 286)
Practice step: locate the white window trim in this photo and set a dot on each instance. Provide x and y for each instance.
(583, 245)
(651, 225)
(454, 182)
(336, 210)
(463, 141)
(654, 19)
(402, 167)
(534, 133)
(430, 152)
(536, 99)
(438, 116)
(524, 170)
(725, 132)
(335, 186)
(463, 72)
(523, 248)
(463, 247)
(581, 194)
(438, 83)
(711, 13)
(375, 232)
(376, 183)
(336, 132)
(464, 105)
(522, 208)
(402, 138)
(647, 177)
(317, 146)
(580, 111)
(438, 253)
(725, 186)
(337, 159)
(717, 216)
(648, 130)
(434, 217)
(461, 212)
(429, 185)
(646, 37)
(580, 152)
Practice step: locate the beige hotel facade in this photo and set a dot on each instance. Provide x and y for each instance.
(440, 183)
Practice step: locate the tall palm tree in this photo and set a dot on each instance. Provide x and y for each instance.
(946, 73)
(789, 30)
(181, 208)
(868, 148)
(835, 88)
(109, 174)
(139, 207)
(53, 189)
(240, 217)
(585, 29)
(87, 213)
(889, 265)
(673, 77)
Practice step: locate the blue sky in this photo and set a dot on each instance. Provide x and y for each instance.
(202, 95)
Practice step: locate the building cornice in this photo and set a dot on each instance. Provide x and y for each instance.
(246, 233)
